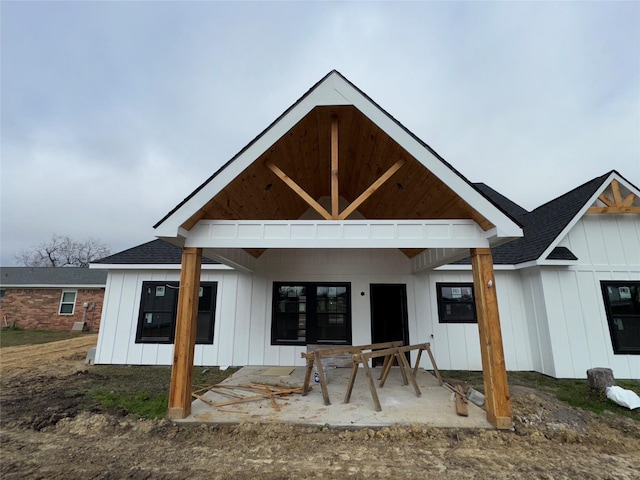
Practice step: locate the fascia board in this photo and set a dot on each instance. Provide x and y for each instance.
(54, 285)
(504, 225)
(327, 93)
(335, 90)
(155, 266)
(466, 267)
(579, 215)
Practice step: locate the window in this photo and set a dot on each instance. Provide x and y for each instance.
(622, 304)
(308, 313)
(67, 302)
(158, 309)
(456, 303)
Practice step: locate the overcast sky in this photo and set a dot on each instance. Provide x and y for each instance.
(113, 112)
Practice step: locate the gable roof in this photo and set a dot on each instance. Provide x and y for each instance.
(543, 226)
(155, 252)
(51, 277)
(334, 93)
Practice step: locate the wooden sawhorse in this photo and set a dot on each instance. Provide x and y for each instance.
(398, 353)
(316, 358)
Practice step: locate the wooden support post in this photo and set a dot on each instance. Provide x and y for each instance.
(307, 375)
(323, 380)
(335, 208)
(496, 388)
(372, 387)
(185, 337)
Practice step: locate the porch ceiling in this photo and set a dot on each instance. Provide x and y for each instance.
(365, 153)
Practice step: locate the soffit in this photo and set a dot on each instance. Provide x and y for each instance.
(365, 153)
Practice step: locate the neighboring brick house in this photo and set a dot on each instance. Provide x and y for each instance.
(51, 298)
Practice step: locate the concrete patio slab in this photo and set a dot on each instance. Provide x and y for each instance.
(400, 405)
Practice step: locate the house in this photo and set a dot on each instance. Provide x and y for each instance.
(50, 298)
(337, 225)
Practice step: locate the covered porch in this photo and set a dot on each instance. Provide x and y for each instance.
(400, 405)
(336, 172)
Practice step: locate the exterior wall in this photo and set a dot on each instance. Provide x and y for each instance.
(457, 346)
(552, 317)
(116, 342)
(537, 321)
(242, 334)
(37, 308)
(607, 247)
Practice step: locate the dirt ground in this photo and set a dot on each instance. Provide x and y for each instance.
(44, 434)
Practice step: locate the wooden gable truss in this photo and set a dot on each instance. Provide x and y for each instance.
(343, 172)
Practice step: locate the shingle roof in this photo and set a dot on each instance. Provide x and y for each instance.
(542, 225)
(153, 252)
(65, 276)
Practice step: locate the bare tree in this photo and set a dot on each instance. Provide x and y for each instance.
(62, 251)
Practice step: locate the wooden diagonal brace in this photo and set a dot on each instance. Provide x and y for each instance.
(372, 188)
(298, 190)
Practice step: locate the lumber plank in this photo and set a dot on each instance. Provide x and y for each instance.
(433, 363)
(335, 208)
(352, 380)
(323, 380)
(461, 402)
(371, 189)
(298, 190)
(372, 387)
(307, 376)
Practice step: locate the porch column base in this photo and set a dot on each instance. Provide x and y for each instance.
(501, 423)
(178, 413)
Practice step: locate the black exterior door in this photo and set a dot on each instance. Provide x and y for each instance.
(389, 320)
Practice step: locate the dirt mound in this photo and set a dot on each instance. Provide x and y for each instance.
(48, 432)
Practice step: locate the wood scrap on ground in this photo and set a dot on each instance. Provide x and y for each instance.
(462, 408)
(261, 391)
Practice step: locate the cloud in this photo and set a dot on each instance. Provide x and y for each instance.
(113, 112)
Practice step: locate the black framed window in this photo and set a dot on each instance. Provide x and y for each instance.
(622, 304)
(158, 309)
(308, 313)
(456, 303)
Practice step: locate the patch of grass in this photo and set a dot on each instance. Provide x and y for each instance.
(139, 404)
(15, 336)
(575, 392)
(141, 391)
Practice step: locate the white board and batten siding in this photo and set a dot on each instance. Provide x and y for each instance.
(359, 267)
(456, 346)
(242, 333)
(117, 339)
(608, 248)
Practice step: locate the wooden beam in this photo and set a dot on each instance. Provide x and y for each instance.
(613, 210)
(185, 337)
(615, 188)
(608, 202)
(372, 188)
(335, 209)
(627, 202)
(496, 388)
(299, 190)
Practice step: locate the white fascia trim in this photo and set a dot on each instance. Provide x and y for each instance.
(158, 266)
(38, 285)
(468, 267)
(504, 225)
(582, 211)
(336, 91)
(324, 94)
(518, 266)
